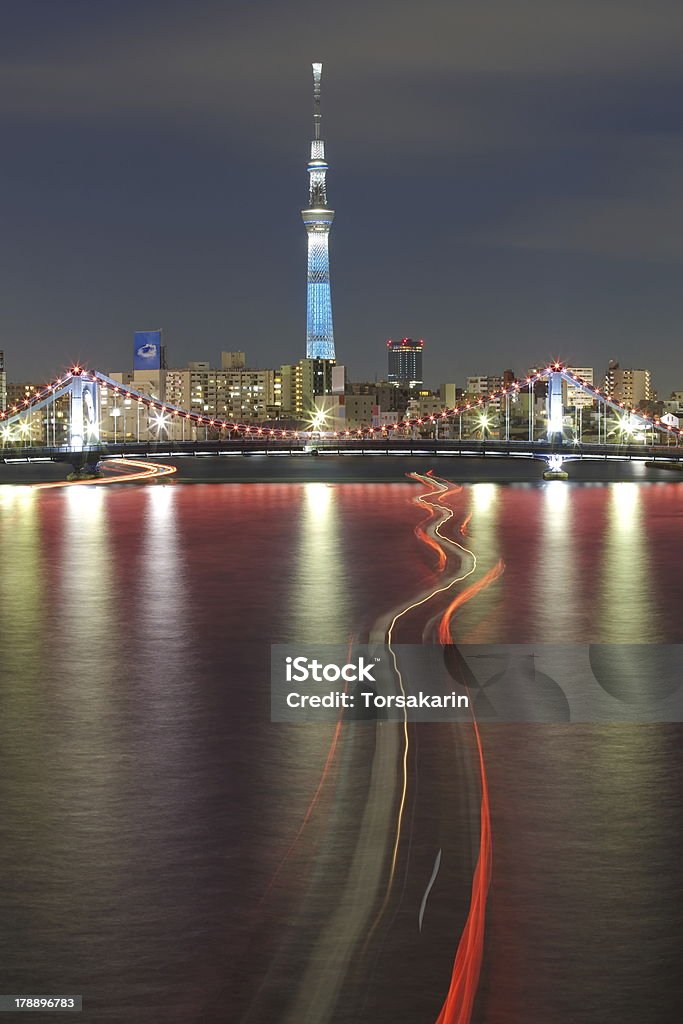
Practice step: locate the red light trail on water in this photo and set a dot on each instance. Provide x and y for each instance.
(457, 1007)
(420, 531)
(440, 488)
(311, 807)
(140, 471)
(329, 760)
(444, 633)
(459, 1000)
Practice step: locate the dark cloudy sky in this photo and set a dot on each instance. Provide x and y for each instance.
(507, 176)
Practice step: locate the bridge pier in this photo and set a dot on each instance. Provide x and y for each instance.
(554, 470)
(83, 465)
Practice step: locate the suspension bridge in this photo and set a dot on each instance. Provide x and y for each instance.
(85, 416)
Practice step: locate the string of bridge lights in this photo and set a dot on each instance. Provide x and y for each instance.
(168, 412)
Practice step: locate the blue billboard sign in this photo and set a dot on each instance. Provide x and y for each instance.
(147, 350)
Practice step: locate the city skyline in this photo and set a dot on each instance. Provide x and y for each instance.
(144, 191)
(381, 375)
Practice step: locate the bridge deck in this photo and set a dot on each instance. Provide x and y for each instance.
(349, 446)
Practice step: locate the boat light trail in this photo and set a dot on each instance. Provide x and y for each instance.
(439, 490)
(316, 796)
(430, 883)
(139, 471)
(459, 1001)
(444, 633)
(419, 530)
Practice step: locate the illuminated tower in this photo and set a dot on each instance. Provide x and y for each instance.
(318, 220)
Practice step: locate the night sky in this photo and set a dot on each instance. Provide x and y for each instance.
(507, 178)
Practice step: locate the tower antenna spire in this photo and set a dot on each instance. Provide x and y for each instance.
(317, 116)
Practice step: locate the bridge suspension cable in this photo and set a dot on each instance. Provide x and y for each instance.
(166, 412)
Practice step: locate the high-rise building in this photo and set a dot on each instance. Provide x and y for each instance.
(318, 219)
(425, 403)
(233, 361)
(241, 395)
(483, 385)
(632, 387)
(236, 394)
(302, 383)
(359, 411)
(576, 397)
(3, 383)
(389, 397)
(19, 393)
(405, 362)
(450, 395)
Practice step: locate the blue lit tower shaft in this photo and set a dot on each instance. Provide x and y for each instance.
(318, 220)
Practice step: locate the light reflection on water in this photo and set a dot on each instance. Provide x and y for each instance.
(318, 599)
(148, 801)
(626, 606)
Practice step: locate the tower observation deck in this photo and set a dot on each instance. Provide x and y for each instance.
(318, 218)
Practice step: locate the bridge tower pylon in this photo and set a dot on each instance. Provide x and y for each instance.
(555, 406)
(84, 426)
(76, 414)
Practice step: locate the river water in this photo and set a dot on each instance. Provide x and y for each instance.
(173, 855)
